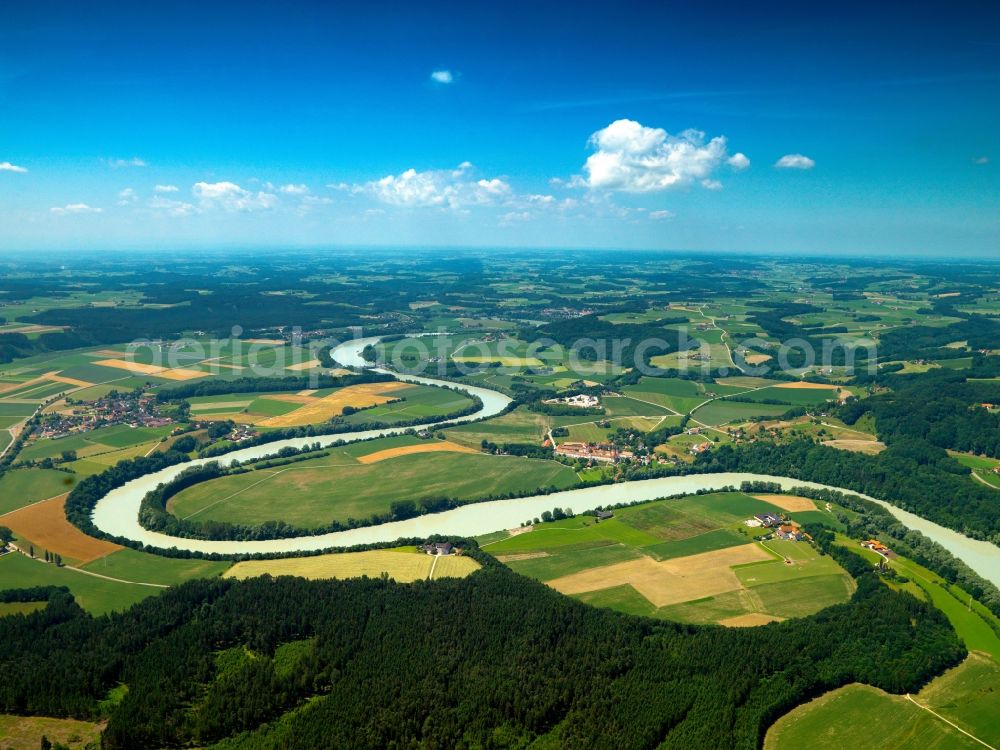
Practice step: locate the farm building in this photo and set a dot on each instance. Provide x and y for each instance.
(790, 533)
(768, 519)
(876, 546)
(438, 548)
(604, 515)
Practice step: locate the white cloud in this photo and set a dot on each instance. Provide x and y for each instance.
(75, 208)
(294, 189)
(127, 197)
(135, 161)
(978, 160)
(660, 215)
(633, 158)
(738, 161)
(795, 161)
(442, 76)
(231, 197)
(166, 188)
(441, 188)
(170, 206)
(516, 217)
(6, 166)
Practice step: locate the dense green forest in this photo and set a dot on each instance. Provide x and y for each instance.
(495, 660)
(910, 473)
(940, 407)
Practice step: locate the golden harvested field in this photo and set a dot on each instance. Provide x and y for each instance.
(402, 566)
(304, 365)
(431, 446)
(682, 579)
(788, 502)
(136, 368)
(25, 732)
(453, 566)
(804, 384)
(316, 410)
(44, 524)
(69, 381)
(272, 342)
(756, 359)
(291, 398)
(871, 447)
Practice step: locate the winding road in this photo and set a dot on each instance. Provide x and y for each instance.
(117, 513)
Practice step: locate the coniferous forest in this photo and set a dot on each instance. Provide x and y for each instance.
(495, 660)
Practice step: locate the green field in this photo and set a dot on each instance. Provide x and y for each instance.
(981, 466)
(859, 715)
(95, 442)
(94, 594)
(794, 396)
(21, 487)
(673, 393)
(623, 406)
(720, 412)
(8, 409)
(318, 491)
(142, 567)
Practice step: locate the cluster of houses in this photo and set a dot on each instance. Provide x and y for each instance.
(782, 529)
(563, 313)
(606, 452)
(241, 432)
(699, 448)
(582, 400)
(132, 409)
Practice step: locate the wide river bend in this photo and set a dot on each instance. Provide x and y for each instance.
(118, 512)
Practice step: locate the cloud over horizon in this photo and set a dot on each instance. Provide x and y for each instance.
(135, 161)
(795, 161)
(440, 188)
(229, 196)
(632, 158)
(75, 208)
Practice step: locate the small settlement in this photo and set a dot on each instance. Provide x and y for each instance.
(129, 408)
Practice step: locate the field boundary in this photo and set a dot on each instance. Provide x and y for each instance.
(950, 723)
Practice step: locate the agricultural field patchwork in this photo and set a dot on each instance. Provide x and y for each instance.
(691, 560)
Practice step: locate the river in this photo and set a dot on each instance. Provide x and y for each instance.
(118, 512)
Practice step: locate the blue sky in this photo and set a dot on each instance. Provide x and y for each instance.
(732, 126)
